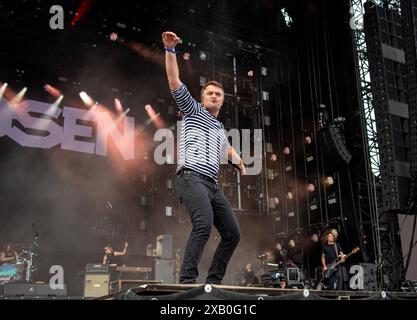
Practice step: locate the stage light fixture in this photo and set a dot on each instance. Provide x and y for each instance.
(113, 36)
(18, 98)
(88, 101)
(203, 55)
(328, 181)
(286, 150)
(3, 89)
(310, 187)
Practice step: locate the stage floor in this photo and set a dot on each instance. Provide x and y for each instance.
(202, 291)
(157, 291)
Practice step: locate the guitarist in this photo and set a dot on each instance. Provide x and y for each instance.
(332, 251)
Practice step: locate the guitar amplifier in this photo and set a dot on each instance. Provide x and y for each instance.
(96, 268)
(96, 285)
(294, 278)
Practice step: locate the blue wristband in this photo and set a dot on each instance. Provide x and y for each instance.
(172, 50)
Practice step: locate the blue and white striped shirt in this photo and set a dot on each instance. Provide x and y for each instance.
(202, 138)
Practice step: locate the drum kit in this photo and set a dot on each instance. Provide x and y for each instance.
(22, 268)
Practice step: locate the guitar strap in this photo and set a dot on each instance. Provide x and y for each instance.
(337, 251)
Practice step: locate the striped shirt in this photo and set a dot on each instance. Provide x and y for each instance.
(202, 138)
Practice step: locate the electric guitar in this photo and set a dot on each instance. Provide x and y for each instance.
(331, 267)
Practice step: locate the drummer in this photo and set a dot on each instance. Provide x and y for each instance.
(8, 254)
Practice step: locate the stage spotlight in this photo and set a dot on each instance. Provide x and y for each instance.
(81, 11)
(121, 116)
(57, 101)
(113, 36)
(154, 117)
(18, 98)
(328, 181)
(203, 55)
(118, 105)
(286, 151)
(52, 90)
(88, 101)
(2, 89)
(51, 111)
(310, 187)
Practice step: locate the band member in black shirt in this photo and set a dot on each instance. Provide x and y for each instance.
(332, 252)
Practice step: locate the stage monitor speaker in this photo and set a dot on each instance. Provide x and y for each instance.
(44, 290)
(96, 285)
(164, 270)
(32, 290)
(19, 289)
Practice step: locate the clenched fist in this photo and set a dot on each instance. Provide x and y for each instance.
(170, 39)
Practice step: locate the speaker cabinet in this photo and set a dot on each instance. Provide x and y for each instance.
(334, 145)
(164, 270)
(164, 246)
(31, 290)
(96, 285)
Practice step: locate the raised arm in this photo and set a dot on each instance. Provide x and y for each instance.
(170, 40)
(122, 253)
(186, 103)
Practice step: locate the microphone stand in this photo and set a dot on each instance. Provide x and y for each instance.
(35, 244)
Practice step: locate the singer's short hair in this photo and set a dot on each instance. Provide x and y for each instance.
(211, 83)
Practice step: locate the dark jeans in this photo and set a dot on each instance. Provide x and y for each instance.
(206, 205)
(335, 282)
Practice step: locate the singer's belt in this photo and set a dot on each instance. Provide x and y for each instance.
(186, 171)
